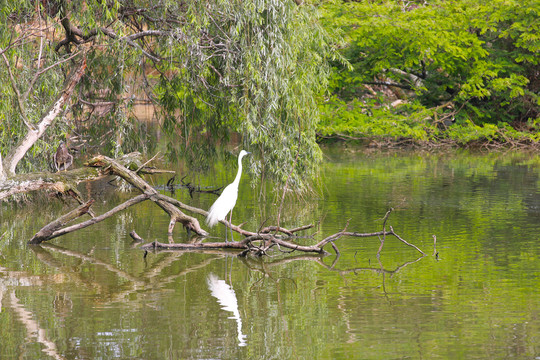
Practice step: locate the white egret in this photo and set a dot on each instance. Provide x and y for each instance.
(226, 201)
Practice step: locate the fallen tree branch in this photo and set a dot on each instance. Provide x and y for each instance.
(384, 232)
(192, 188)
(112, 167)
(197, 246)
(66, 181)
(61, 182)
(46, 232)
(270, 240)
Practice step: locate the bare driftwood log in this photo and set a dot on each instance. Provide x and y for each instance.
(46, 232)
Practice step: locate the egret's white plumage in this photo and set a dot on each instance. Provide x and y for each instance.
(226, 201)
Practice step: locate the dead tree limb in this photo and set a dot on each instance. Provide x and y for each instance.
(46, 232)
(61, 182)
(266, 241)
(405, 242)
(256, 243)
(384, 232)
(112, 167)
(65, 182)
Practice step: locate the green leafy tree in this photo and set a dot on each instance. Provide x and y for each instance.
(253, 68)
(475, 60)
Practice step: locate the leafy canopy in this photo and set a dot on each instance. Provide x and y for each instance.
(479, 57)
(253, 68)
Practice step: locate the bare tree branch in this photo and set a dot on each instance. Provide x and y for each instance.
(46, 232)
(44, 235)
(129, 39)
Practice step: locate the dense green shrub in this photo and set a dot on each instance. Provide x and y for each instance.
(467, 59)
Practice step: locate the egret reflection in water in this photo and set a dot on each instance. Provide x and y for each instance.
(227, 299)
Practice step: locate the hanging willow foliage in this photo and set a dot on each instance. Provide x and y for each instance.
(251, 67)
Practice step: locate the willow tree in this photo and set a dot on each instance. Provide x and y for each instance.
(212, 68)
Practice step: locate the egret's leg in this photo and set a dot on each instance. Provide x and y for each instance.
(226, 230)
(230, 222)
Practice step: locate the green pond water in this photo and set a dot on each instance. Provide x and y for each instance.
(93, 295)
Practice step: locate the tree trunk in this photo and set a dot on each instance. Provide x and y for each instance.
(3, 175)
(18, 152)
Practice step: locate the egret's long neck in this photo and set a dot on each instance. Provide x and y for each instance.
(239, 173)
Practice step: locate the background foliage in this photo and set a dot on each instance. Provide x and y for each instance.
(254, 75)
(464, 70)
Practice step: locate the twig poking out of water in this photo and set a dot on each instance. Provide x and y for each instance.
(135, 236)
(435, 252)
(384, 232)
